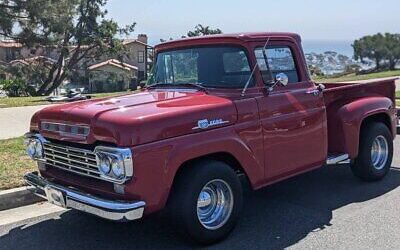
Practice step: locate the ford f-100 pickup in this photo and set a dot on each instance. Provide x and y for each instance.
(214, 108)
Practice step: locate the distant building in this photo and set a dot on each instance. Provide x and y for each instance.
(111, 75)
(139, 54)
(138, 59)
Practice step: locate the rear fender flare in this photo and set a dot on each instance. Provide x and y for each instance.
(354, 113)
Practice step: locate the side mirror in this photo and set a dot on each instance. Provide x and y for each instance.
(282, 79)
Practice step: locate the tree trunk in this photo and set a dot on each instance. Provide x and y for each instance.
(378, 63)
(56, 83)
(49, 79)
(392, 65)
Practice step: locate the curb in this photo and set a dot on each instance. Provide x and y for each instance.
(17, 197)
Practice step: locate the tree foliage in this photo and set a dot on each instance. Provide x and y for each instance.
(201, 30)
(16, 87)
(78, 29)
(384, 49)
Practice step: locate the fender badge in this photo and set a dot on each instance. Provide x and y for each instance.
(205, 123)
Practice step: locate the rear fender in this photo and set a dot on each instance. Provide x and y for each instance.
(352, 115)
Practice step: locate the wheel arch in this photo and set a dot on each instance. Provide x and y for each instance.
(378, 117)
(355, 115)
(222, 156)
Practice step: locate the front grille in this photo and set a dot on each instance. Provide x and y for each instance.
(76, 160)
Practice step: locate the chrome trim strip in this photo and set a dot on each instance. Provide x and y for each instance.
(108, 209)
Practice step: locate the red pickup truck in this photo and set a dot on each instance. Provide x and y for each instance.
(214, 108)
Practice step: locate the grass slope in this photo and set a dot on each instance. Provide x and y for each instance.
(354, 77)
(14, 163)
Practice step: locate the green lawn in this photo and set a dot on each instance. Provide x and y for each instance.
(14, 163)
(354, 77)
(40, 100)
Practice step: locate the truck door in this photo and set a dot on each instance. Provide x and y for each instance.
(293, 117)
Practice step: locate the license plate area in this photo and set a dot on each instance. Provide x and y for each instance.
(54, 196)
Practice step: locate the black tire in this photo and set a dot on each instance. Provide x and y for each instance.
(363, 166)
(185, 194)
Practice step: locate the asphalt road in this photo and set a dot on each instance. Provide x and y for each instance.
(326, 209)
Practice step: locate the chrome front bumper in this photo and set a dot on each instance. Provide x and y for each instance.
(71, 198)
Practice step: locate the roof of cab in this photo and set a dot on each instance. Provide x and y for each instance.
(246, 37)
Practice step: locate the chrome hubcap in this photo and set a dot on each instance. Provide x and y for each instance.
(379, 152)
(215, 204)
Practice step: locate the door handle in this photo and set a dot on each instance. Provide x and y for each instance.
(314, 92)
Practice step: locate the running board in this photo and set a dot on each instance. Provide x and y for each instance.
(338, 159)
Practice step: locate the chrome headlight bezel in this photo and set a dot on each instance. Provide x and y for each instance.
(34, 146)
(121, 156)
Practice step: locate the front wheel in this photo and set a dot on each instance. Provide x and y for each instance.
(375, 153)
(207, 200)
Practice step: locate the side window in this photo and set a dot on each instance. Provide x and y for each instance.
(280, 60)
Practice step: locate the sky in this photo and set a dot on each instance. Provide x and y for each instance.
(340, 20)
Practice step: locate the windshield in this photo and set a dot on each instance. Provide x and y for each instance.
(215, 67)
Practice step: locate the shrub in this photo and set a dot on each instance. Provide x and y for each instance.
(17, 87)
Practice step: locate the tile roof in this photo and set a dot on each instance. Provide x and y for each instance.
(115, 63)
(10, 44)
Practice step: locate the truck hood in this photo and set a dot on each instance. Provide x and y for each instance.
(135, 119)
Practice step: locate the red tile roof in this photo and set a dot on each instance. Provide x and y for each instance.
(115, 63)
(10, 44)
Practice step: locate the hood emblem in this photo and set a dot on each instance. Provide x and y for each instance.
(205, 123)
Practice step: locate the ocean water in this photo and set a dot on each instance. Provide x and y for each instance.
(321, 46)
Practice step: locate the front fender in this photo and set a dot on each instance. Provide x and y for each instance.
(352, 115)
(209, 144)
(156, 164)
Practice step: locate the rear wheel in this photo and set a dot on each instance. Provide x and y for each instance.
(375, 152)
(206, 201)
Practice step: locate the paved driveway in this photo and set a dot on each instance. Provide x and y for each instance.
(14, 122)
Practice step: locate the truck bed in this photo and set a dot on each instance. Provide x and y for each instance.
(336, 95)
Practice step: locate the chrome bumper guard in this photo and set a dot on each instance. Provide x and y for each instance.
(71, 198)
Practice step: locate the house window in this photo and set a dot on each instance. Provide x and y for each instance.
(141, 57)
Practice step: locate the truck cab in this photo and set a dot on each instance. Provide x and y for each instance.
(214, 108)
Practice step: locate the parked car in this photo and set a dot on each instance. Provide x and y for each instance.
(214, 108)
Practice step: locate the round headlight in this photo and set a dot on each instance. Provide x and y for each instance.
(31, 148)
(38, 149)
(117, 168)
(105, 165)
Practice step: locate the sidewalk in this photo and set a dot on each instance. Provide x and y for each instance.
(14, 122)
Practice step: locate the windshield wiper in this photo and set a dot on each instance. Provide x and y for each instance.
(184, 85)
